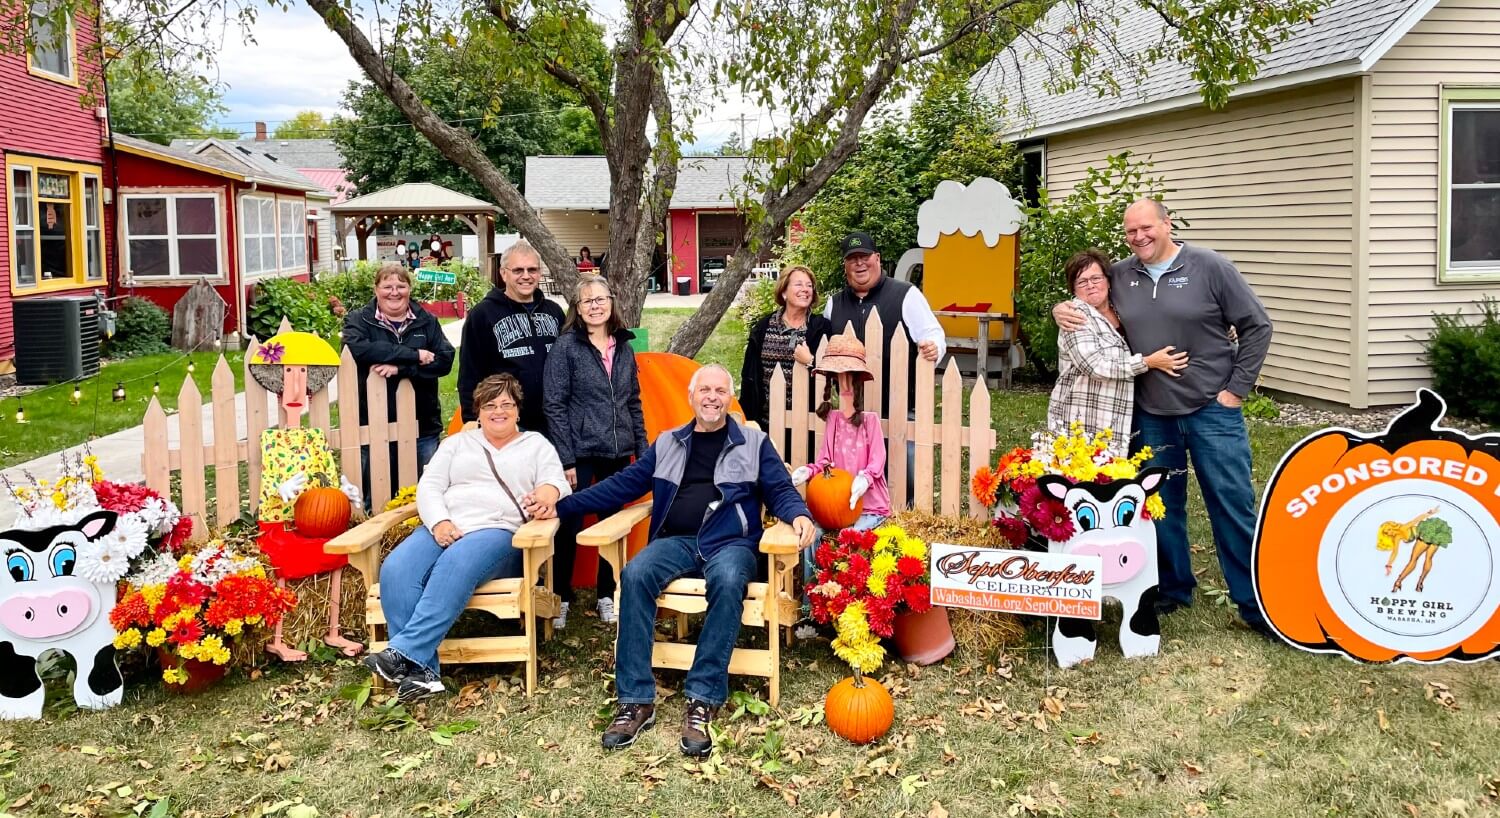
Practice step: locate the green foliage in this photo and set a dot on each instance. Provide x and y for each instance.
(156, 102)
(1465, 362)
(1261, 406)
(1435, 531)
(356, 286)
(303, 125)
(1091, 216)
(948, 135)
(298, 301)
(141, 328)
(758, 301)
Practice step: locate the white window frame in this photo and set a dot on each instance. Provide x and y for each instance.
(289, 224)
(174, 275)
(93, 227)
(1449, 271)
(21, 221)
(70, 48)
(256, 200)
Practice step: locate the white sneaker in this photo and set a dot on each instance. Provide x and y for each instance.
(606, 608)
(560, 621)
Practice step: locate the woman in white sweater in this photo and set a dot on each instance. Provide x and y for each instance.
(470, 498)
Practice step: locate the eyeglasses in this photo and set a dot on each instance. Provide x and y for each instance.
(1090, 281)
(500, 407)
(526, 271)
(597, 301)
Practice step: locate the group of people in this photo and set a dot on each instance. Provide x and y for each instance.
(561, 431)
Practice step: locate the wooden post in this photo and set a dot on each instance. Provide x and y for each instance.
(926, 413)
(378, 433)
(820, 385)
(346, 437)
(981, 441)
(776, 416)
(226, 448)
(799, 415)
(952, 438)
(155, 461)
(874, 358)
(190, 435)
(406, 435)
(898, 431)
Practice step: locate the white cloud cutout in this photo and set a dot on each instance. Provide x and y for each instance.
(984, 206)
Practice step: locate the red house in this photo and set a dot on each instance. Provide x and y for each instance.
(56, 218)
(217, 212)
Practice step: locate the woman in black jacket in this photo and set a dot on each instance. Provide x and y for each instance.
(396, 339)
(592, 397)
(790, 334)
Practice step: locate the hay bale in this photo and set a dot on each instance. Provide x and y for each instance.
(980, 634)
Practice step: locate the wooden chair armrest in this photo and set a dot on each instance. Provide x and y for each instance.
(535, 534)
(780, 539)
(614, 527)
(370, 532)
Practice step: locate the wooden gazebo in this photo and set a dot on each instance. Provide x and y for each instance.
(420, 200)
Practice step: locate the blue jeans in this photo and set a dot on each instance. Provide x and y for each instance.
(727, 572)
(424, 587)
(1216, 439)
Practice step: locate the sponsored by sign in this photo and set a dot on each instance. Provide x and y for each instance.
(431, 276)
(1385, 547)
(1020, 582)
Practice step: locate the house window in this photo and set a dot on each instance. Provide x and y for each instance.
(55, 237)
(172, 235)
(1033, 172)
(293, 233)
(51, 42)
(1471, 169)
(258, 234)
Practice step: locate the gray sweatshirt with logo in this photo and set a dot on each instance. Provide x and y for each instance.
(1191, 307)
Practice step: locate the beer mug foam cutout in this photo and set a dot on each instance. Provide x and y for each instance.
(970, 235)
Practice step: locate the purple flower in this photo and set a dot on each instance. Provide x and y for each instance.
(271, 353)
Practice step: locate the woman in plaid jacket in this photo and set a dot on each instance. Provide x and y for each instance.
(1096, 369)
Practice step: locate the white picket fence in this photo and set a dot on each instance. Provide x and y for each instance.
(236, 445)
(951, 433)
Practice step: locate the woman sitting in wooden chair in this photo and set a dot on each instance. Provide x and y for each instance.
(470, 499)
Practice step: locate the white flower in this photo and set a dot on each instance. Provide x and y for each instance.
(129, 535)
(101, 560)
(47, 515)
(155, 571)
(214, 562)
(151, 513)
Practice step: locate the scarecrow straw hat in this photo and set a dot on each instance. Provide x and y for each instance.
(844, 353)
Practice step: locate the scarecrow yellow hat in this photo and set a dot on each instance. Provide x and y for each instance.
(295, 349)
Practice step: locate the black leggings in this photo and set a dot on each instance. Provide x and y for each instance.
(590, 470)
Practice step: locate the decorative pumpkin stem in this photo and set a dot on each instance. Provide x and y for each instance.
(859, 678)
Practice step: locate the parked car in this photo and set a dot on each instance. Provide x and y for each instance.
(708, 274)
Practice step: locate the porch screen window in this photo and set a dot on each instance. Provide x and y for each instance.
(51, 43)
(23, 204)
(293, 234)
(174, 235)
(1473, 195)
(258, 234)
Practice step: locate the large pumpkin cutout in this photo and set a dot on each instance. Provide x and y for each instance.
(1385, 547)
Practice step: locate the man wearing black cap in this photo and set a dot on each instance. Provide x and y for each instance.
(896, 301)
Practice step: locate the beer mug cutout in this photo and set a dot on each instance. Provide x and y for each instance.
(970, 237)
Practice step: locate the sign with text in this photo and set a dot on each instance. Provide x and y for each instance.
(1385, 547)
(432, 276)
(1035, 583)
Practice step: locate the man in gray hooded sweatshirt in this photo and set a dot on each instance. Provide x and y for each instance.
(1179, 295)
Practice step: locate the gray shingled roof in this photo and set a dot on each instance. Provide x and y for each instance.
(582, 182)
(1339, 41)
(248, 166)
(293, 153)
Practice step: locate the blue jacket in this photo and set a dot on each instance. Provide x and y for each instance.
(748, 472)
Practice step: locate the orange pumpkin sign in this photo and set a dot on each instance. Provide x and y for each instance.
(859, 709)
(1385, 547)
(322, 512)
(828, 499)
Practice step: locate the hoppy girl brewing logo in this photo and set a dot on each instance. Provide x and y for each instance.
(1385, 547)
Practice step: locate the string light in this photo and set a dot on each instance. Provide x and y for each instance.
(156, 388)
(20, 414)
(191, 367)
(77, 394)
(119, 394)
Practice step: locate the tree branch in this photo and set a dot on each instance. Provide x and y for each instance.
(569, 78)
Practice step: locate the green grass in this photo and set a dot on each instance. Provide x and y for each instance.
(55, 423)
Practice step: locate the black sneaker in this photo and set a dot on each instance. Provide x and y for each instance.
(696, 740)
(389, 665)
(419, 685)
(630, 720)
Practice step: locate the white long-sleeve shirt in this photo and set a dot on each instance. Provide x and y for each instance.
(458, 486)
(916, 315)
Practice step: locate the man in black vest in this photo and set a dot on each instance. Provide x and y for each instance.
(896, 301)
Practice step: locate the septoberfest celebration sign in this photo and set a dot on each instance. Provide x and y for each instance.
(1035, 583)
(1385, 547)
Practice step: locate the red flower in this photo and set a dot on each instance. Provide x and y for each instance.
(185, 590)
(910, 567)
(1053, 521)
(178, 536)
(1013, 529)
(917, 597)
(186, 632)
(131, 611)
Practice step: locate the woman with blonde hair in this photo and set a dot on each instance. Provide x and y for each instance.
(789, 335)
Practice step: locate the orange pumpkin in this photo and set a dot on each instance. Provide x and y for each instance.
(828, 499)
(859, 709)
(1328, 472)
(322, 511)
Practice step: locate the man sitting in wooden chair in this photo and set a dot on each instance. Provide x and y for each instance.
(708, 480)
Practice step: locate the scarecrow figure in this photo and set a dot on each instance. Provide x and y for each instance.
(295, 365)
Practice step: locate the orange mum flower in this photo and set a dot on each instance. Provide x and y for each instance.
(984, 484)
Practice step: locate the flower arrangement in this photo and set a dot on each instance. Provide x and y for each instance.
(1020, 507)
(863, 577)
(194, 606)
(406, 496)
(147, 523)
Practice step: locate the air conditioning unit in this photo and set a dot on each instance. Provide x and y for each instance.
(57, 339)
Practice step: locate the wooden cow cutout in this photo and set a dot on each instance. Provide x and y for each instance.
(1108, 524)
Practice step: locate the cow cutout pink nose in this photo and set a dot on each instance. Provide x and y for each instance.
(47, 616)
(1122, 560)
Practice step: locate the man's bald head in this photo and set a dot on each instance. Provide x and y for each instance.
(1148, 231)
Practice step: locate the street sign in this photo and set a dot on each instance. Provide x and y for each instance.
(436, 276)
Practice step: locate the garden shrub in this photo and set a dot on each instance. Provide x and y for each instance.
(356, 286)
(1091, 216)
(301, 303)
(758, 301)
(141, 328)
(1465, 361)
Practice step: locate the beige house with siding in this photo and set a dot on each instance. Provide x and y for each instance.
(1355, 182)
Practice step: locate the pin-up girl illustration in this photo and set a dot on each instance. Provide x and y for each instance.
(1392, 535)
(296, 365)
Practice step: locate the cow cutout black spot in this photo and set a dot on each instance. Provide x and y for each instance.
(1076, 628)
(1145, 621)
(105, 677)
(18, 678)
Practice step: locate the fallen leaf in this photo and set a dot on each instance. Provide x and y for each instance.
(1109, 761)
(1456, 806)
(1385, 723)
(937, 811)
(1192, 769)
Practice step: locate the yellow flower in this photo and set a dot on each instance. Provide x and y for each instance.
(188, 651)
(253, 619)
(855, 644)
(154, 595)
(233, 627)
(129, 638)
(1155, 507)
(173, 675)
(210, 645)
(876, 584)
(185, 563)
(96, 474)
(156, 637)
(1118, 470)
(883, 565)
(221, 656)
(913, 547)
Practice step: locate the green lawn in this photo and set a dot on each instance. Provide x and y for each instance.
(1222, 723)
(55, 422)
